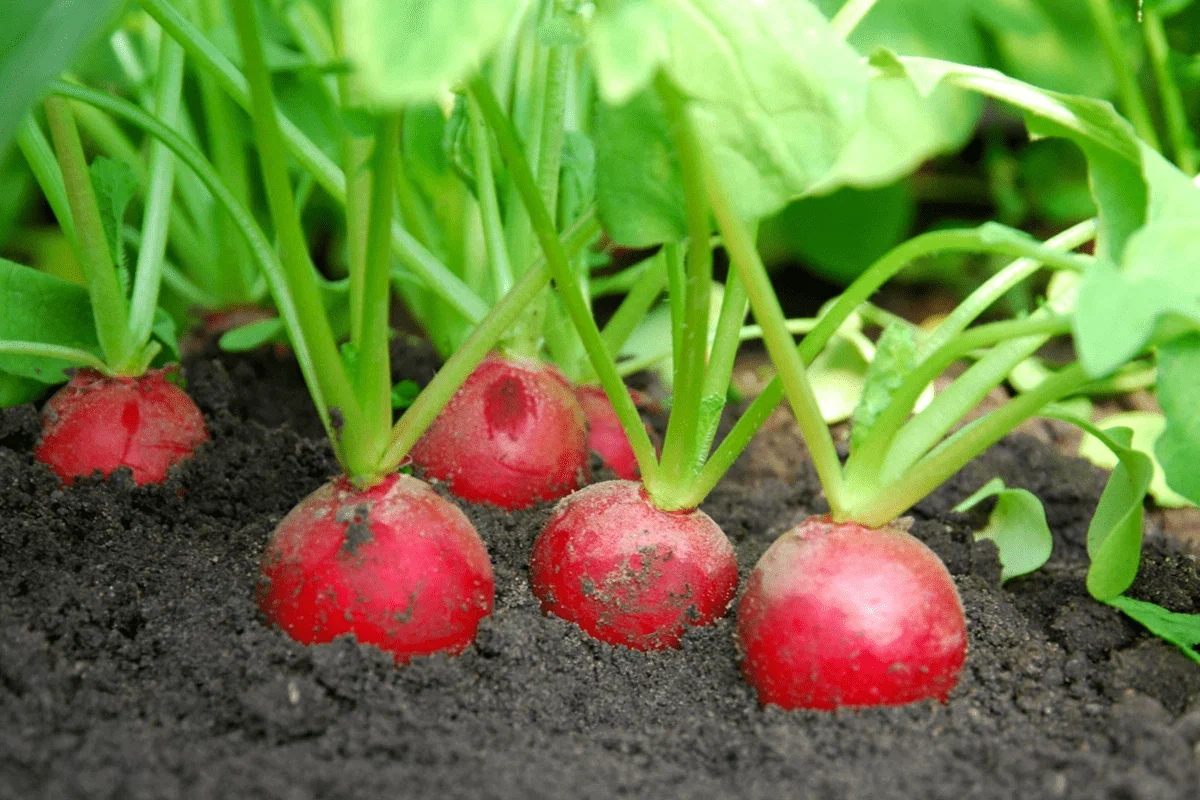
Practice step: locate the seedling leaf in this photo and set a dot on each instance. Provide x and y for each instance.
(1181, 630)
(165, 332)
(404, 394)
(36, 307)
(116, 184)
(252, 336)
(895, 357)
(1147, 427)
(1114, 541)
(1178, 449)
(1017, 526)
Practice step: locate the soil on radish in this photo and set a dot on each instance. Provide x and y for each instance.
(135, 664)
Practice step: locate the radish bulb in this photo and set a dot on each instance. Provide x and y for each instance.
(513, 435)
(606, 437)
(628, 573)
(837, 614)
(97, 423)
(396, 566)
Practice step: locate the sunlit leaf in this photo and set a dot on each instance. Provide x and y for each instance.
(1017, 526)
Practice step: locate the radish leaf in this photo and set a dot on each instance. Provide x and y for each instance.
(1178, 449)
(414, 50)
(1147, 427)
(115, 184)
(1114, 541)
(252, 335)
(1181, 630)
(40, 39)
(36, 307)
(1017, 526)
(404, 394)
(895, 358)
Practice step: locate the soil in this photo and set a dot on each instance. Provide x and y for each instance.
(134, 664)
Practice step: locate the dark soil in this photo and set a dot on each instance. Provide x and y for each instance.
(134, 664)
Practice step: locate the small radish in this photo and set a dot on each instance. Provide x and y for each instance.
(629, 573)
(396, 566)
(843, 615)
(513, 435)
(606, 437)
(97, 423)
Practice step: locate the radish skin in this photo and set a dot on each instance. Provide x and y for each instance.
(98, 424)
(842, 615)
(606, 437)
(628, 573)
(396, 566)
(513, 436)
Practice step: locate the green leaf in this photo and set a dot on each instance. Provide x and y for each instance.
(253, 336)
(1114, 540)
(36, 307)
(895, 357)
(404, 394)
(38, 41)
(1017, 526)
(903, 128)
(415, 50)
(639, 191)
(1147, 427)
(838, 374)
(577, 176)
(166, 333)
(116, 185)
(813, 229)
(774, 94)
(1181, 630)
(1178, 449)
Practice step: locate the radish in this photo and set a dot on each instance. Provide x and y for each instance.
(396, 566)
(606, 437)
(513, 435)
(97, 424)
(628, 573)
(843, 615)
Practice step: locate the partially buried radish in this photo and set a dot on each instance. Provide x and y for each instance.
(97, 424)
(606, 437)
(396, 566)
(628, 573)
(843, 615)
(513, 436)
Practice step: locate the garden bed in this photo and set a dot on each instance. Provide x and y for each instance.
(134, 663)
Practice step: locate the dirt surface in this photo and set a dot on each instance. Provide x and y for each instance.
(134, 664)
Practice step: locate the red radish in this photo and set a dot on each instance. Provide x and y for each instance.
(397, 566)
(628, 573)
(605, 434)
(97, 423)
(513, 435)
(843, 615)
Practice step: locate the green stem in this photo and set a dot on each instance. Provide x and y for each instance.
(40, 157)
(261, 249)
(1174, 110)
(207, 57)
(1133, 101)
(729, 334)
(894, 499)
(865, 466)
(680, 460)
(849, 15)
(676, 296)
(156, 217)
(999, 284)
(72, 355)
(560, 268)
(374, 364)
(301, 277)
(493, 224)
(108, 301)
(743, 254)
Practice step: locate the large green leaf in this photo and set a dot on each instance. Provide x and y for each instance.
(1017, 526)
(774, 94)
(1178, 449)
(408, 51)
(39, 40)
(36, 307)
